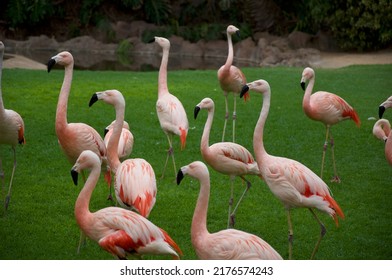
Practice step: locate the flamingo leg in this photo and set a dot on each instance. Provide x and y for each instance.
(324, 150)
(170, 152)
(234, 117)
(226, 116)
(335, 178)
(323, 231)
(231, 218)
(291, 234)
(2, 176)
(232, 215)
(82, 241)
(8, 197)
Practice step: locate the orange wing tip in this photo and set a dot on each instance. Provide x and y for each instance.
(338, 211)
(246, 97)
(183, 138)
(356, 119)
(171, 242)
(144, 206)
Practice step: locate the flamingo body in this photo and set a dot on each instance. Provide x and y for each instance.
(327, 108)
(171, 113)
(117, 230)
(382, 130)
(11, 130)
(294, 184)
(229, 244)
(135, 183)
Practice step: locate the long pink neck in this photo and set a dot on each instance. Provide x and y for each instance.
(199, 220)
(204, 144)
(162, 78)
(230, 55)
(82, 211)
(112, 154)
(258, 145)
(306, 100)
(61, 112)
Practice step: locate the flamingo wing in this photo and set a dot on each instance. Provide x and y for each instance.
(12, 128)
(135, 185)
(128, 232)
(171, 114)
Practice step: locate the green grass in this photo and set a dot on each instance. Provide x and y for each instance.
(40, 223)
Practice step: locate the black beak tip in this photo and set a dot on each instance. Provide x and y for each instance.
(93, 99)
(74, 175)
(381, 111)
(244, 90)
(105, 132)
(180, 176)
(238, 34)
(303, 85)
(196, 112)
(50, 64)
(152, 40)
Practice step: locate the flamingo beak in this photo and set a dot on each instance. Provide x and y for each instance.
(244, 90)
(180, 176)
(105, 131)
(74, 175)
(238, 33)
(50, 64)
(303, 85)
(381, 111)
(93, 99)
(196, 111)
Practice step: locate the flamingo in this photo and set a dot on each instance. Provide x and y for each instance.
(327, 108)
(383, 106)
(74, 138)
(11, 131)
(231, 79)
(135, 183)
(382, 130)
(225, 157)
(125, 144)
(119, 231)
(171, 113)
(294, 184)
(229, 244)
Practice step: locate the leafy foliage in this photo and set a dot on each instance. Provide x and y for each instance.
(21, 12)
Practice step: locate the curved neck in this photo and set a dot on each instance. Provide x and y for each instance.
(62, 104)
(204, 144)
(82, 203)
(162, 78)
(112, 154)
(308, 92)
(258, 145)
(230, 55)
(199, 220)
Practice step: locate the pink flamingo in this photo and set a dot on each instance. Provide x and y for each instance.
(117, 230)
(291, 182)
(382, 130)
(229, 244)
(226, 157)
(171, 113)
(11, 131)
(327, 108)
(383, 106)
(231, 79)
(125, 144)
(74, 138)
(135, 183)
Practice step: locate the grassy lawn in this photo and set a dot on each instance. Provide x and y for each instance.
(40, 221)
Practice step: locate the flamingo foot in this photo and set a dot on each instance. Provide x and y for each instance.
(335, 179)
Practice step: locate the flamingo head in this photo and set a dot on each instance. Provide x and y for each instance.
(1, 46)
(64, 59)
(206, 103)
(86, 160)
(112, 97)
(260, 86)
(163, 42)
(307, 74)
(383, 106)
(196, 169)
(231, 29)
